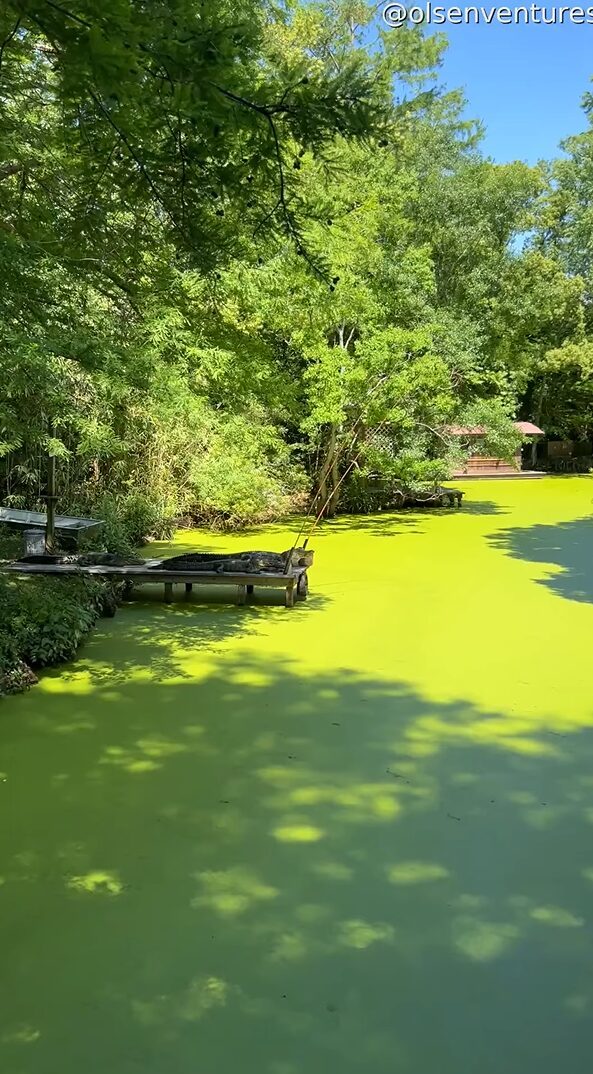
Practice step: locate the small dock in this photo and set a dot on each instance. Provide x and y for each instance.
(508, 474)
(294, 583)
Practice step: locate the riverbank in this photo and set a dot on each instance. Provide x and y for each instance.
(44, 620)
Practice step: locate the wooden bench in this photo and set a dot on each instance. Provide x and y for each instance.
(295, 584)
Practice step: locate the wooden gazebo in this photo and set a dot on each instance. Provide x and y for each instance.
(481, 465)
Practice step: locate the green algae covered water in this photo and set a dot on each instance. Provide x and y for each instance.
(351, 838)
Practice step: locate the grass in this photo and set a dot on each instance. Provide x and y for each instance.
(354, 836)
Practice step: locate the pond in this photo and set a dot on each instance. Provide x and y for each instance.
(355, 836)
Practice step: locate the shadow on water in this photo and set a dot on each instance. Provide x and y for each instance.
(377, 525)
(568, 545)
(207, 621)
(483, 507)
(412, 518)
(286, 873)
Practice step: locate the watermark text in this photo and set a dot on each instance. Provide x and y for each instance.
(398, 14)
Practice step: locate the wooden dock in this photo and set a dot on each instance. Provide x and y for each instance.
(294, 584)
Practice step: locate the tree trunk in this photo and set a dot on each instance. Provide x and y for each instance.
(329, 492)
(328, 468)
(322, 494)
(537, 417)
(335, 478)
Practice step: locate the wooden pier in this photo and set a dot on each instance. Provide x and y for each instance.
(294, 584)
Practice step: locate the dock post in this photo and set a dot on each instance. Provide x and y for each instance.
(50, 523)
(188, 588)
(241, 594)
(168, 592)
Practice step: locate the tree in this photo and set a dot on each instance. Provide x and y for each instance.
(417, 238)
(173, 116)
(553, 302)
(137, 141)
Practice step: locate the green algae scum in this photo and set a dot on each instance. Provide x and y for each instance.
(351, 838)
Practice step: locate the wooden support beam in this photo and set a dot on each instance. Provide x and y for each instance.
(50, 525)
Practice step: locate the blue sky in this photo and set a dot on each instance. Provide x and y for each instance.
(524, 82)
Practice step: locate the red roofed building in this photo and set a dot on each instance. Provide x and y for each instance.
(477, 465)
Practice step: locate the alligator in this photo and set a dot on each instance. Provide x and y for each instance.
(251, 562)
(439, 497)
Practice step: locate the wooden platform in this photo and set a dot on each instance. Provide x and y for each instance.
(294, 584)
(498, 475)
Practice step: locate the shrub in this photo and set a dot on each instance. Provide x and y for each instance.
(129, 520)
(367, 492)
(11, 544)
(43, 621)
(247, 475)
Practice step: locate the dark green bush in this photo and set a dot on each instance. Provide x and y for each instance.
(245, 475)
(362, 494)
(129, 520)
(43, 621)
(11, 544)
(143, 519)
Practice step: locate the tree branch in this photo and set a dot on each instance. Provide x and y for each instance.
(8, 39)
(69, 14)
(138, 162)
(435, 432)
